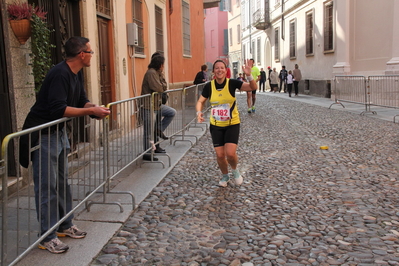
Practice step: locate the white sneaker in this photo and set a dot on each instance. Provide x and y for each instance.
(224, 180)
(237, 177)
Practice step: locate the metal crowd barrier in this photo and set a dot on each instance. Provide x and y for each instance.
(19, 225)
(379, 91)
(100, 150)
(351, 89)
(384, 91)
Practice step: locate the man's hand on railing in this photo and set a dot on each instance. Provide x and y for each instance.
(99, 112)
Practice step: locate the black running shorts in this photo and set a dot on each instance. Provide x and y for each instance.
(223, 135)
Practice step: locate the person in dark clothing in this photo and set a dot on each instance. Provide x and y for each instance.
(154, 81)
(61, 95)
(283, 79)
(262, 80)
(270, 84)
(201, 76)
(297, 77)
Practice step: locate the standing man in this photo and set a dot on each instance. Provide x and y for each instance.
(297, 77)
(262, 80)
(251, 95)
(61, 95)
(283, 79)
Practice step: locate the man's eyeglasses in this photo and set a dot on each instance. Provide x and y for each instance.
(88, 52)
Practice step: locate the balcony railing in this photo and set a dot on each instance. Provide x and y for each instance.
(211, 3)
(262, 17)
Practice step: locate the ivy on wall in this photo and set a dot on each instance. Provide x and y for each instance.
(41, 50)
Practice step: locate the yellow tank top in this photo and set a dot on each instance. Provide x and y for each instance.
(224, 110)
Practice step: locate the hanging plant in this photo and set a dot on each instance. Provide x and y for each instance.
(41, 50)
(20, 16)
(34, 19)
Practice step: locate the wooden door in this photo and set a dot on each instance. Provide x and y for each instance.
(105, 60)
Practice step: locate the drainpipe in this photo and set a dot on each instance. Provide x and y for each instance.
(250, 28)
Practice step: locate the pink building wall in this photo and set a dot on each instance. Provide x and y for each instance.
(214, 25)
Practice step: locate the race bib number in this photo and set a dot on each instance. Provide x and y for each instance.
(221, 112)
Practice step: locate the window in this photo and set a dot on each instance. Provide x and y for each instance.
(244, 51)
(231, 36)
(138, 19)
(253, 49)
(226, 42)
(224, 5)
(276, 45)
(258, 50)
(292, 39)
(309, 33)
(243, 17)
(159, 29)
(104, 7)
(186, 29)
(328, 27)
(238, 33)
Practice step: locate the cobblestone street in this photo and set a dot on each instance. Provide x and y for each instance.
(298, 205)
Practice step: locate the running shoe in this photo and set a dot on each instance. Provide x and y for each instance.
(224, 180)
(54, 246)
(249, 110)
(72, 232)
(253, 109)
(237, 177)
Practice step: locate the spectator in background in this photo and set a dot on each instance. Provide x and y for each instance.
(262, 80)
(283, 79)
(270, 84)
(274, 80)
(289, 82)
(297, 77)
(201, 76)
(228, 74)
(154, 81)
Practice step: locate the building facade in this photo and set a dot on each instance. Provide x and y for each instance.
(255, 42)
(216, 35)
(234, 25)
(328, 38)
(324, 37)
(123, 35)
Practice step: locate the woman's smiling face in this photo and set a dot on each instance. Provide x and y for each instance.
(219, 70)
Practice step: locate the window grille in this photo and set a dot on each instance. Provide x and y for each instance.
(328, 27)
(186, 29)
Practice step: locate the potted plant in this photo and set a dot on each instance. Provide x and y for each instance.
(27, 20)
(20, 16)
